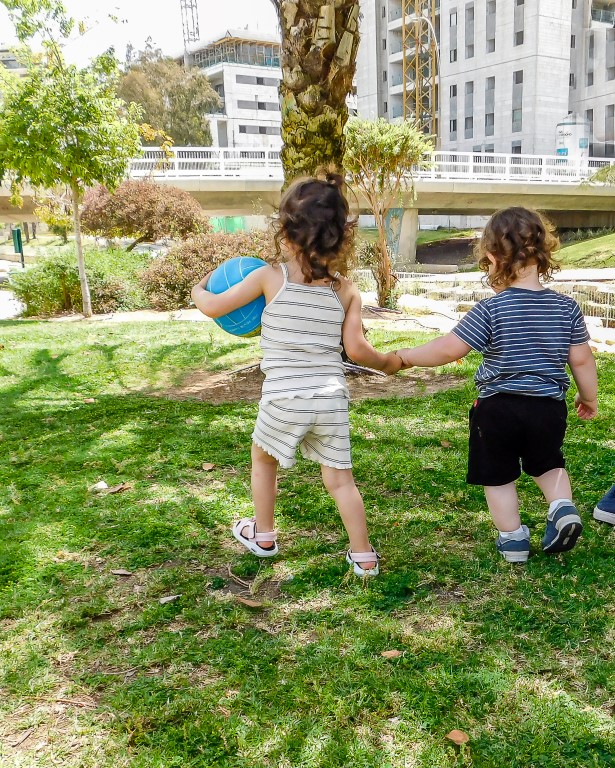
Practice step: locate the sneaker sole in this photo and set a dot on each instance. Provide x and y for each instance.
(515, 557)
(604, 517)
(566, 537)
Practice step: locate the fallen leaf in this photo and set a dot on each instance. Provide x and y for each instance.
(168, 599)
(458, 737)
(208, 467)
(22, 738)
(89, 400)
(393, 654)
(190, 422)
(226, 712)
(249, 603)
(446, 444)
(119, 488)
(121, 572)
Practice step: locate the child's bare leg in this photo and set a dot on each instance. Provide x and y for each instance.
(555, 484)
(341, 485)
(503, 504)
(264, 491)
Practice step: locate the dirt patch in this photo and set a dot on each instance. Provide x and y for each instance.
(458, 250)
(245, 385)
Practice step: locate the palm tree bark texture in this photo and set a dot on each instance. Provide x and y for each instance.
(320, 41)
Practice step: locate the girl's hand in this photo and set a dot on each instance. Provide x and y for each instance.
(586, 409)
(404, 356)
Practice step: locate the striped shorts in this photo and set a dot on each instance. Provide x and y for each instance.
(319, 425)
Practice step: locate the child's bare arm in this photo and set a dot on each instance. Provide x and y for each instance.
(358, 347)
(440, 351)
(216, 305)
(583, 367)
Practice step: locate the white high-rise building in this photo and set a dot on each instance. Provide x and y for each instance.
(244, 68)
(508, 71)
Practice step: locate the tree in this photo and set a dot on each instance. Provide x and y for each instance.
(172, 99)
(55, 210)
(319, 49)
(64, 126)
(379, 161)
(142, 210)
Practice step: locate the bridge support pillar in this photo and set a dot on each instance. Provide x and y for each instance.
(404, 249)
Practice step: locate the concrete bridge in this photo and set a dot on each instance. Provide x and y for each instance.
(248, 182)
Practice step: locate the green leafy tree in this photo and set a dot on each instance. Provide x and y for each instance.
(380, 160)
(56, 212)
(320, 41)
(61, 125)
(172, 98)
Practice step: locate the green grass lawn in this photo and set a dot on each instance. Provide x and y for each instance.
(596, 252)
(96, 673)
(424, 235)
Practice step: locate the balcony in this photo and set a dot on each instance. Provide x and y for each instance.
(604, 16)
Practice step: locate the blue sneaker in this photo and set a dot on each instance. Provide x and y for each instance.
(517, 549)
(564, 527)
(605, 509)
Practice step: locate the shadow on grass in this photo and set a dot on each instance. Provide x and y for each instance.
(515, 656)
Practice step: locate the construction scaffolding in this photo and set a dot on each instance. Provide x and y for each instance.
(190, 24)
(420, 62)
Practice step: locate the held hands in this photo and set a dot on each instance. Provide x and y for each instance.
(405, 355)
(586, 409)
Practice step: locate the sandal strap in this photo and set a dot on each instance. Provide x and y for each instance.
(252, 534)
(363, 557)
(266, 536)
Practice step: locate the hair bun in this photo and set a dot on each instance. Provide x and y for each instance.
(335, 180)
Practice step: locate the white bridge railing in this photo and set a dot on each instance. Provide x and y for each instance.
(254, 163)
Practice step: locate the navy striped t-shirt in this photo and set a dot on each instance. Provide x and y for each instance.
(525, 337)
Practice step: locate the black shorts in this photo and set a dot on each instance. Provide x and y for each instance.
(513, 432)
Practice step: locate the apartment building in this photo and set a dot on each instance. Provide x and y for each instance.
(9, 61)
(244, 68)
(507, 72)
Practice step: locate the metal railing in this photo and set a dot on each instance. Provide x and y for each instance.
(256, 163)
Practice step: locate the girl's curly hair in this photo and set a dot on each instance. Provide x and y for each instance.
(314, 219)
(516, 238)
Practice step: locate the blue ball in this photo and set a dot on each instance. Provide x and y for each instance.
(245, 321)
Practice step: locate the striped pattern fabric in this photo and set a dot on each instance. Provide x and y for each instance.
(301, 332)
(525, 337)
(318, 424)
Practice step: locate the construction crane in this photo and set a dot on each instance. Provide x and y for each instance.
(421, 63)
(190, 25)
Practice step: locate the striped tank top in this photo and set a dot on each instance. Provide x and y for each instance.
(301, 341)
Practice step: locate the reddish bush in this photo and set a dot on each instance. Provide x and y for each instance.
(142, 210)
(170, 278)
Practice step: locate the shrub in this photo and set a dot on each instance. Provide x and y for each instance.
(170, 278)
(51, 286)
(142, 210)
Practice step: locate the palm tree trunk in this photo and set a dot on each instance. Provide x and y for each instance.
(319, 49)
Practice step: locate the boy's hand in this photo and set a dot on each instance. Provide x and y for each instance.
(586, 409)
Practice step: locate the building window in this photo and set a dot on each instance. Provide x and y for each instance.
(518, 77)
(490, 7)
(572, 80)
(453, 91)
(384, 44)
(489, 123)
(491, 45)
(469, 127)
(515, 148)
(243, 129)
(574, 4)
(384, 11)
(453, 55)
(470, 88)
(610, 73)
(469, 14)
(469, 51)
(385, 106)
(453, 126)
(453, 19)
(573, 41)
(489, 148)
(519, 2)
(590, 78)
(490, 84)
(384, 76)
(517, 120)
(518, 38)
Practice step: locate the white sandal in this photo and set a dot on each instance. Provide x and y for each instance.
(354, 558)
(250, 542)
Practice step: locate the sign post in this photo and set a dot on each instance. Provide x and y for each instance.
(18, 245)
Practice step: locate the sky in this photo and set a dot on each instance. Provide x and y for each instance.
(160, 20)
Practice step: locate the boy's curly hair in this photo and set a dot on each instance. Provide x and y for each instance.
(517, 237)
(314, 219)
